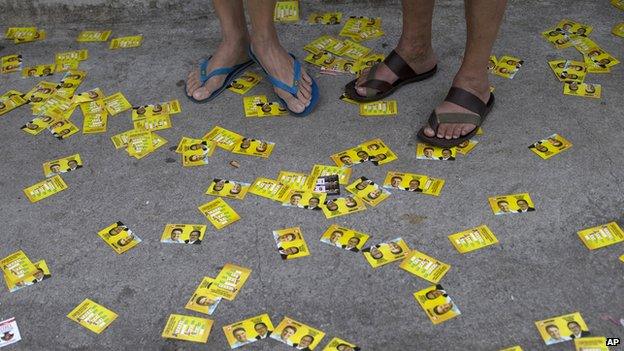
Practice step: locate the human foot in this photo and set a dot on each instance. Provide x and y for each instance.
(227, 55)
(279, 64)
(419, 60)
(477, 85)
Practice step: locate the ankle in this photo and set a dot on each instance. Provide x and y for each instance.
(414, 50)
(475, 82)
(235, 42)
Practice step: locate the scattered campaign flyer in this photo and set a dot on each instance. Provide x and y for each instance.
(183, 234)
(297, 334)
(562, 328)
(92, 316)
(249, 330)
(270, 189)
(344, 238)
(228, 188)
(379, 108)
(219, 213)
(513, 348)
(425, 266)
(430, 152)
(374, 151)
(516, 203)
(386, 252)
(245, 82)
(188, 328)
(368, 191)
(343, 173)
(286, 11)
(508, 66)
(10, 63)
(254, 147)
(116, 104)
(305, 199)
(295, 180)
(417, 183)
(229, 281)
(93, 36)
(473, 239)
(549, 147)
(595, 343)
(119, 237)
(16, 267)
(437, 304)
(342, 206)
(202, 300)
(9, 331)
(290, 243)
(126, 42)
(224, 138)
(337, 344)
(466, 146)
(45, 188)
(41, 273)
(601, 236)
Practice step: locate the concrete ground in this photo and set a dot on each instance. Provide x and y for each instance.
(539, 269)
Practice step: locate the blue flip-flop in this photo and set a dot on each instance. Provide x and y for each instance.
(232, 73)
(292, 89)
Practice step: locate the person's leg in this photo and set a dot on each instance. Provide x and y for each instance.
(273, 57)
(231, 51)
(414, 45)
(483, 19)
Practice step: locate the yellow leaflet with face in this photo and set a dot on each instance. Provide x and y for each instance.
(508, 66)
(290, 243)
(618, 30)
(516, 203)
(228, 188)
(430, 152)
(63, 65)
(10, 63)
(386, 252)
(40, 92)
(93, 35)
(126, 42)
(568, 70)
(219, 213)
(254, 147)
(473, 239)
(270, 189)
(229, 281)
(183, 234)
(187, 328)
(95, 123)
(70, 82)
(466, 146)
(584, 89)
(342, 206)
(414, 183)
(116, 104)
(345, 238)
(343, 173)
(549, 147)
(92, 316)
(38, 71)
(157, 142)
(379, 108)
(596, 343)
(592, 67)
(252, 103)
(368, 191)
(601, 236)
(45, 188)
(202, 300)
(245, 82)
(437, 304)
(139, 142)
(320, 44)
(367, 62)
(63, 129)
(62, 165)
(286, 11)
(121, 140)
(195, 152)
(119, 237)
(94, 96)
(337, 344)
(329, 18)
(16, 267)
(562, 328)
(305, 199)
(557, 37)
(291, 332)
(37, 125)
(295, 180)
(224, 138)
(271, 109)
(41, 273)
(10, 101)
(164, 108)
(424, 266)
(513, 348)
(248, 330)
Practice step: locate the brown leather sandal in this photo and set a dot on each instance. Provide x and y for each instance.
(466, 100)
(377, 89)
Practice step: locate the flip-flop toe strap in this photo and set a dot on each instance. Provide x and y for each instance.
(204, 75)
(294, 88)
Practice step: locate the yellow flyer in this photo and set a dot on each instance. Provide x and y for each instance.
(164, 108)
(386, 252)
(343, 173)
(492, 63)
(557, 37)
(21, 33)
(219, 213)
(379, 108)
(466, 146)
(11, 63)
(139, 142)
(16, 267)
(116, 104)
(596, 343)
(122, 139)
(413, 182)
(187, 328)
(295, 180)
(328, 18)
(224, 138)
(183, 234)
(38, 71)
(350, 157)
(513, 348)
(79, 55)
(10, 101)
(245, 82)
(583, 90)
(367, 62)
(126, 42)
(342, 206)
(549, 147)
(622, 258)
(37, 125)
(473, 239)
(251, 104)
(568, 70)
(618, 29)
(248, 330)
(203, 301)
(64, 65)
(92, 316)
(95, 123)
(91, 101)
(619, 4)
(287, 235)
(196, 152)
(286, 11)
(253, 147)
(367, 190)
(430, 152)
(297, 334)
(153, 123)
(229, 281)
(93, 36)
(346, 99)
(562, 328)
(42, 91)
(45, 188)
(63, 129)
(62, 165)
(424, 266)
(574, 28)
(270, 189)
(437, 304)
(337, 344)
(290, 243)
(42, 272)
(271, 109)
(157, 142)
(305, 199)
(119, 237)
(601, 236)
(320, 44)
(228, 188)
(508, 66)
(328, 184)
(516, 203)
(344, 238)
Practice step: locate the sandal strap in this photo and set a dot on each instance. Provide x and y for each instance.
(376, 84)
(466, 100)
(459, 118)
(204, 76)
(294, 88)
(398, 66)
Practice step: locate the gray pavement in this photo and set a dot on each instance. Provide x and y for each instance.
(540, 268)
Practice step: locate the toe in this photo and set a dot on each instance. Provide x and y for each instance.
(361, 91)
(448, 132)
(457, 130)
(302, 98)
(441, 132)
(429, 132)
(467, 128)
(293, 103)
(304, 94)
(306, 77)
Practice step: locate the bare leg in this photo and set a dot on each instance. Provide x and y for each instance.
(231, 51)
(483, 19)
(415, 44)
(273, 57)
